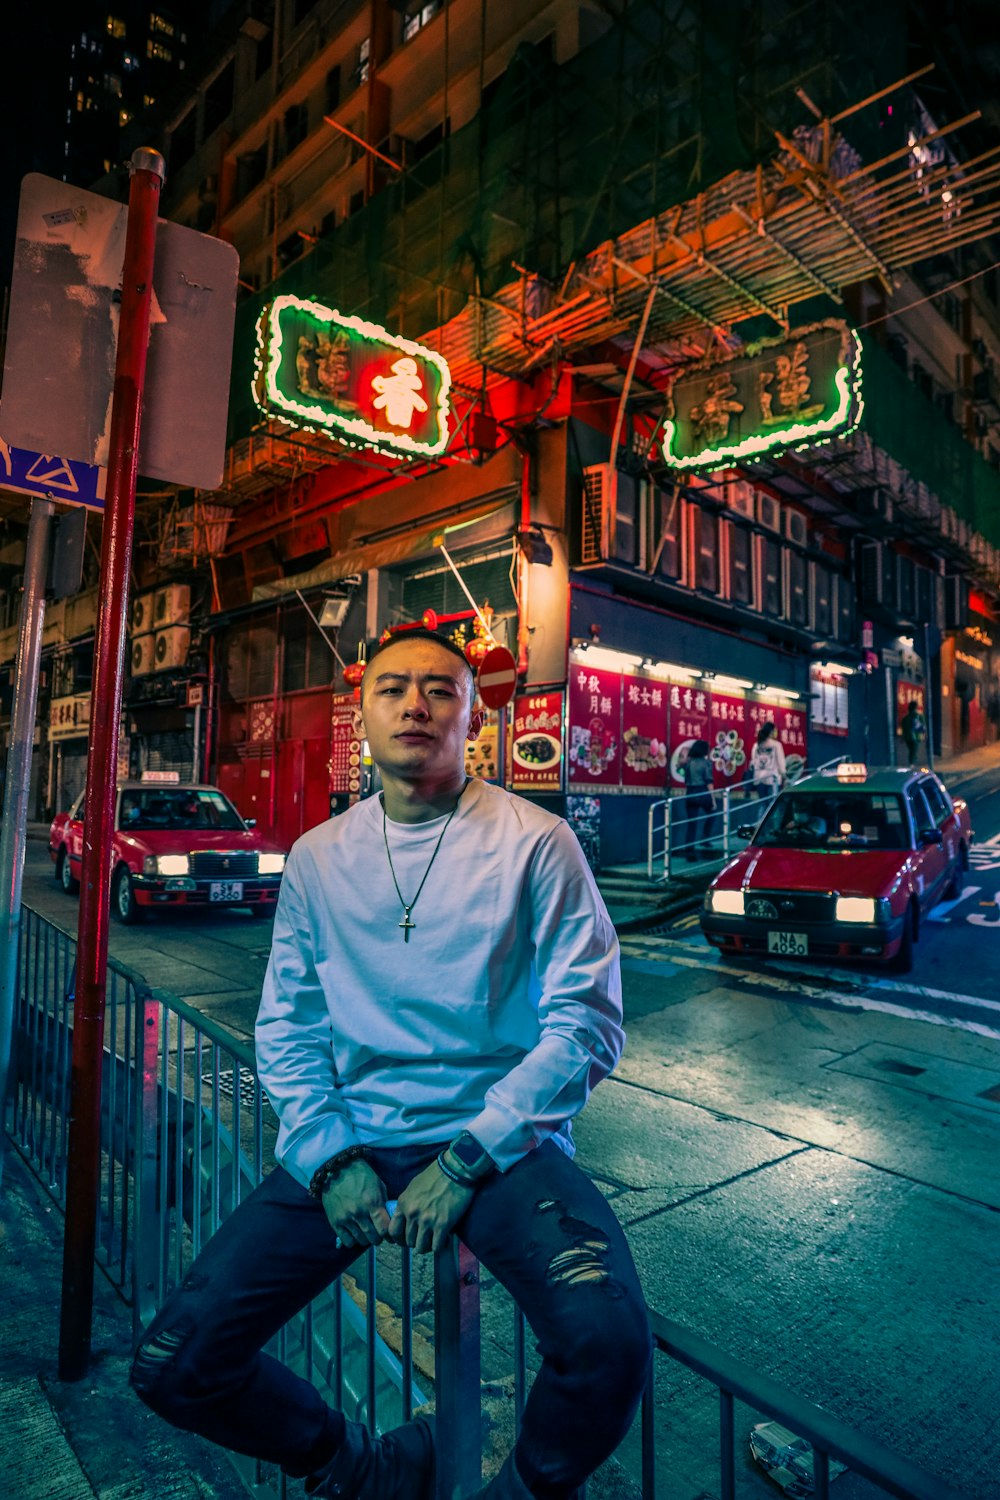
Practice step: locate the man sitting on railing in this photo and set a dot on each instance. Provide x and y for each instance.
(435, 1058)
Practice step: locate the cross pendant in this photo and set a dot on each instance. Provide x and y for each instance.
(406, 924)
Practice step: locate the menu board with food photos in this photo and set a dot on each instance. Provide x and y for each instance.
(595, 719)
(482, 756)
(345, 748)
(689, 721)
(536, 742)
(730, 738)
(644, 733)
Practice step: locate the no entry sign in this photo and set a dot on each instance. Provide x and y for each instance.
(497, 677)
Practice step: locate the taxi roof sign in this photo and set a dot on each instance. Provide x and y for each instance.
(850, 770)
(161, 778)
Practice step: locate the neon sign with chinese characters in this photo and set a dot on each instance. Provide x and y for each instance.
(787, 392)
(321, 369)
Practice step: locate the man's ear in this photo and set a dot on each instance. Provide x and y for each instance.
(476, 722)
(358, 723)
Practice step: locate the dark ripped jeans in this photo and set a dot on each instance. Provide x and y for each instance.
(542, 1229)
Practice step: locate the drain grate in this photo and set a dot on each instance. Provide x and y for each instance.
(891, 1065)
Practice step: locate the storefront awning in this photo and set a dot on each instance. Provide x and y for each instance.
(394, 545)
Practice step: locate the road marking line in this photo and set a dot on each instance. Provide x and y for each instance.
(940, 912)
(786, 982)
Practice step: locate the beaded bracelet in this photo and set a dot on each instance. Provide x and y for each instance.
(324, 1175)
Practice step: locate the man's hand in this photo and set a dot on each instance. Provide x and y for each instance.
(428, 1209)
(354, 1204)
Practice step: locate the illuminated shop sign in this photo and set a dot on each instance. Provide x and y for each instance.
(778, 393)
(321, 369)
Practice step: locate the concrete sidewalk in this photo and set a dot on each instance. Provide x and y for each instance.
(91, 1440)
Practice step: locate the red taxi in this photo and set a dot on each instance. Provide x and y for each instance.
(843, 865)
(174, 845)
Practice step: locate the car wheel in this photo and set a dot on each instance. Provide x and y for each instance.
(957, 883)
(903, 961)
(64, 873)
(123, 902)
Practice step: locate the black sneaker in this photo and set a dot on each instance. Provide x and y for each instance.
(399, 1465)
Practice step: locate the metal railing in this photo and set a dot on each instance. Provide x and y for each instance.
(186, 1129)
(680, 839)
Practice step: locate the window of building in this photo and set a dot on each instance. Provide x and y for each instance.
(160, 23)
(130, 62)
(364, 57)
(331, 91)
(357, 202)
(148, 100)
(302, 9)
(418, 18)
(296, 123)
(124, 115)
(158, 50)
(740, 564)
(113, 84)
(666, 530)
(183, 140)
(114, 26)
(250, 170)
(219, 97)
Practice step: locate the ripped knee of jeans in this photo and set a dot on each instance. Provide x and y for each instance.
(157, 1354)
(584, 1259)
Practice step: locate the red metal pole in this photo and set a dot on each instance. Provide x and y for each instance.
(84, 1155)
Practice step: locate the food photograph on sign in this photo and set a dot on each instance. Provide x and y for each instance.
(363, 386)
(536, 742)
(482, 755)
(644, 733)
(595, 707)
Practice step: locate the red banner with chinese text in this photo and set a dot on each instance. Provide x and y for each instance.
(689, 721)
(730, 738)
(644, 733)
(536, 754)
(595, 717)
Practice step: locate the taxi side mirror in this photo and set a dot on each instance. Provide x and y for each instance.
(250, 822)
(930, 836)
(746, 830)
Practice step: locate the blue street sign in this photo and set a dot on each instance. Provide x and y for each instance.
(62, 479)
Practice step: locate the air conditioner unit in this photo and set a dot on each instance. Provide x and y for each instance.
(768, 511)
(143, 655)
(875, 504)
(172, 606)
(796, 527)
(142, 614)
(740, 497)
(171, 646)
(599, 484)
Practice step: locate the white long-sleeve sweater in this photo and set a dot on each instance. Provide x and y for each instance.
(498, 1016)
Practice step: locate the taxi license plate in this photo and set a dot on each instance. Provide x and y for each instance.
(787, 942)
(225, 890)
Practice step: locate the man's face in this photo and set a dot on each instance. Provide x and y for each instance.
(416, 711)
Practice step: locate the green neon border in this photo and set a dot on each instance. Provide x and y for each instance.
(353, 432)
(799, 435)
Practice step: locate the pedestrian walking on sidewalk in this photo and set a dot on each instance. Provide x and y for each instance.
(699, 803)
(443, 992)
(913, 728)
(767, 762)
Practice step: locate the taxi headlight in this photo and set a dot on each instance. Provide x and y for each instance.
(727, 903)
(172, 864)
(270, 864)
(855, 909)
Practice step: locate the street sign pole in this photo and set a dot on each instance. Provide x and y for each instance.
(84, 1153)
(18, 782)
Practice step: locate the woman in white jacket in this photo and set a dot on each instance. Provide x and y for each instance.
(767, 762)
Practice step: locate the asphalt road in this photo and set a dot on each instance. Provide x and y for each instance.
(805, 1160)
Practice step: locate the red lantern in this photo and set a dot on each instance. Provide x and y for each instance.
(476, 649)
(355, 670)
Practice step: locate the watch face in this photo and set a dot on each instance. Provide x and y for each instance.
(466, 1149)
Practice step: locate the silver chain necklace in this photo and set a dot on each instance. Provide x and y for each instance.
(408, 906)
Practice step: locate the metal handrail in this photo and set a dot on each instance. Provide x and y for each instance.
(159, 1150)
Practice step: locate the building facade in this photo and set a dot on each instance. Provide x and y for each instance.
(719, 444)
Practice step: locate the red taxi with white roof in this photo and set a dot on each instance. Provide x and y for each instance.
(843, 865)
(175, 844)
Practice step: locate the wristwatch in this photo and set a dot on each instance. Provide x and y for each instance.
(466, 1162)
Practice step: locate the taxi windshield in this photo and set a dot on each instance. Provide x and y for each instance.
(835, 819)
(163, 809)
